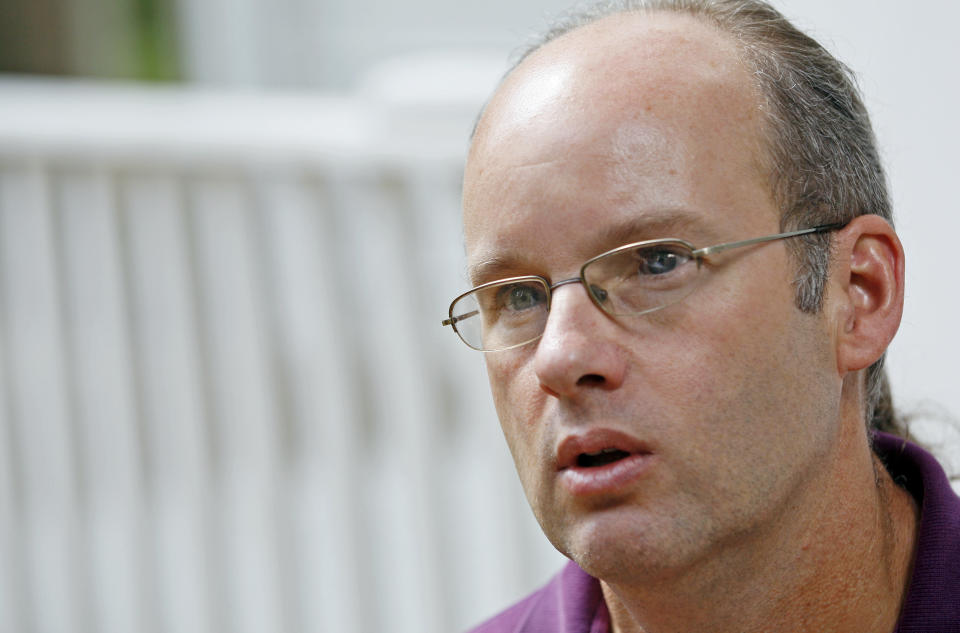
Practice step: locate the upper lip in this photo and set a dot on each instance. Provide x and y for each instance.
(594, 441)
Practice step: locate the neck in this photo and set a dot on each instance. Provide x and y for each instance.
(840, 562)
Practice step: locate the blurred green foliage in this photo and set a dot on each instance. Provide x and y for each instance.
(115, 39)
(156, 41)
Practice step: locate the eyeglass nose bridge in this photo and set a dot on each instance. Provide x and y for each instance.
(564, 282)
(576, 280)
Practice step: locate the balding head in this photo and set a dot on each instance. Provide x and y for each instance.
(622, 67)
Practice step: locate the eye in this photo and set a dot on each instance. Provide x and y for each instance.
(660, 260)
(519, 297)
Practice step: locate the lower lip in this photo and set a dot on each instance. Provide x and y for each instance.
(605, 479)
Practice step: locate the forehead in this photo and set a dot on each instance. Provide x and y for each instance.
(631, 116)
(624, 66)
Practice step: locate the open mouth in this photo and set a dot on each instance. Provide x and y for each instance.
(585, 469)
(601, 458)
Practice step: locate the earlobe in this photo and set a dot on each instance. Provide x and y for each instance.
(869, 279)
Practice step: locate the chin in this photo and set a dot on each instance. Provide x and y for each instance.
(625, 545)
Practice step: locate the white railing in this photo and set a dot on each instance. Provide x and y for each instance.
(226, 401)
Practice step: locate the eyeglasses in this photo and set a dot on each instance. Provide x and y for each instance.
(630, 280)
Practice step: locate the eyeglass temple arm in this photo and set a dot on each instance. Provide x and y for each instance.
(454, 319)
(718, 248)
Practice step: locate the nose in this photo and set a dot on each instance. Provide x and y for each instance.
(580, 349)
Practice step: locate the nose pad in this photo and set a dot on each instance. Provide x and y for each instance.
(579, 348)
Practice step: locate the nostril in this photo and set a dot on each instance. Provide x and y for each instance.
(588, 380)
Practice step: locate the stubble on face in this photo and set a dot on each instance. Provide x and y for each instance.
(625, 120)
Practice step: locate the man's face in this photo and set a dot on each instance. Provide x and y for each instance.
(636, 128)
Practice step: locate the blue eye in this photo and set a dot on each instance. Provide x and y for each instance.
(519, 297)
(659, 260)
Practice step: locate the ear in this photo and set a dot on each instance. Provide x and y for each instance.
(867, 284)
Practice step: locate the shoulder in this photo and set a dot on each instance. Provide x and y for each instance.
(569, 602)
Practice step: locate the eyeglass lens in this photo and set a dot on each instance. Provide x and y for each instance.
(627, 281)
(502, 315)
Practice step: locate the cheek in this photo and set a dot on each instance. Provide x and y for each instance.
(744, 390)
(518, 400)
(726, 363)
(520, 406)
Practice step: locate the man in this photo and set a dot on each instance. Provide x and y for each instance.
(688, 406)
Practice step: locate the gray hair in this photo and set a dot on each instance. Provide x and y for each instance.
(821, 151)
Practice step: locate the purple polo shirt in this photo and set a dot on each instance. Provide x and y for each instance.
(573, 603)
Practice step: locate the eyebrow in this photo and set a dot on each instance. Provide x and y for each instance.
(495, 267)
(663, 224)
(656, 225)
